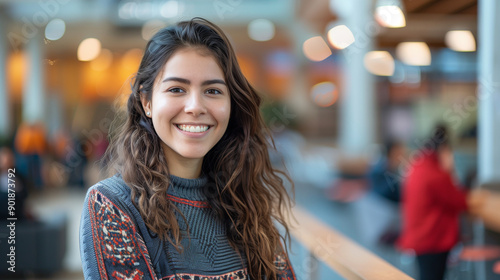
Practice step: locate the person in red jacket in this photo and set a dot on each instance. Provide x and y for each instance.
(432, 203)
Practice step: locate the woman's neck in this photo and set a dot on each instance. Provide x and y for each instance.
(188, 168)
(185, 170)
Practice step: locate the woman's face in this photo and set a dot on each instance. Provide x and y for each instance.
(190, 105)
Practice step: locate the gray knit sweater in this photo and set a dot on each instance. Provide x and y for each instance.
(116, 244)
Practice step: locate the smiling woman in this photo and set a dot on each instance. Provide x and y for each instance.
(194, 195)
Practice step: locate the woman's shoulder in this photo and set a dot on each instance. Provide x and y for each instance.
(114, 191)
(112, 187)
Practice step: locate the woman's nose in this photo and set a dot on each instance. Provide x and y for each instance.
(195, 104)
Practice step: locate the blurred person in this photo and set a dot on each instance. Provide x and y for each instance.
(30, 142)
(385, 180)
(431, 205)
(195, 196)
(100, 148)
(384, 175)
(77, 161)
(61, 144)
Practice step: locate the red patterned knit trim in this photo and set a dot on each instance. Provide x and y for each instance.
(282, 262)
(291, 269)
(240, 274)
(199, 204)
(97, 248)
(105, 241)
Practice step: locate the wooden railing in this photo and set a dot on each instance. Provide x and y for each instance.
(338, 252)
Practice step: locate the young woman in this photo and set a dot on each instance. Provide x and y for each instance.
(195, 195)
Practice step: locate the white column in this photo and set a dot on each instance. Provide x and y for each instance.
(357, 107)
(5, 112)
(489, 91)
(34, 85)
(489, 106)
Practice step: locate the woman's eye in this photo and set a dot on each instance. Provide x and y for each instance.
(213, 91)
(175, 90)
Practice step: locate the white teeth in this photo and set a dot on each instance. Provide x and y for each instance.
(193, 128)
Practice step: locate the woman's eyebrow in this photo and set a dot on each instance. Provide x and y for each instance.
(177, 79)
(188, 82)
(214, 81)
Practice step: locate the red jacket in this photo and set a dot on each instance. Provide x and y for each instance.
(431, 206)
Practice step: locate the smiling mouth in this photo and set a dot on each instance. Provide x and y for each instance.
(193, 128)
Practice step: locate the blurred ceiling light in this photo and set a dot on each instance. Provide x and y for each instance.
(316, 49)
(261, 30)
(150, 28)
(389, 13)
(379, 63)
(126, 10)
(144, 10)
(103, 61)
(340, 37)
(414, 53)
(324, 94)
(170, 9)
(460, 40)
(89, 49)
(55, 29)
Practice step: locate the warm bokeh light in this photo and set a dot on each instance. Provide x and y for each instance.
(414, 53)
(261, 30)
(31, 139)
(89, 49)
(340, 37)
(316, 49)
(324, 94)
(248, 67)
(108, 76)
(132, 57)
(16, 69)
(103, 61)
(130, 63)
(390, 16)
(380, 63)
(55, 29)
(460, 40)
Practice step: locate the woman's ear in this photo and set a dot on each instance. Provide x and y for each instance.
(146, 105)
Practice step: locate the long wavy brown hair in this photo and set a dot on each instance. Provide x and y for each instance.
(245, 190)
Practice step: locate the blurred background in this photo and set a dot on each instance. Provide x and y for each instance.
(342, 82)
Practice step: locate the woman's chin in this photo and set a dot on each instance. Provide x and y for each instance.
(193, 154)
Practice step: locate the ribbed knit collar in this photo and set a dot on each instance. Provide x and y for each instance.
(192, 189)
